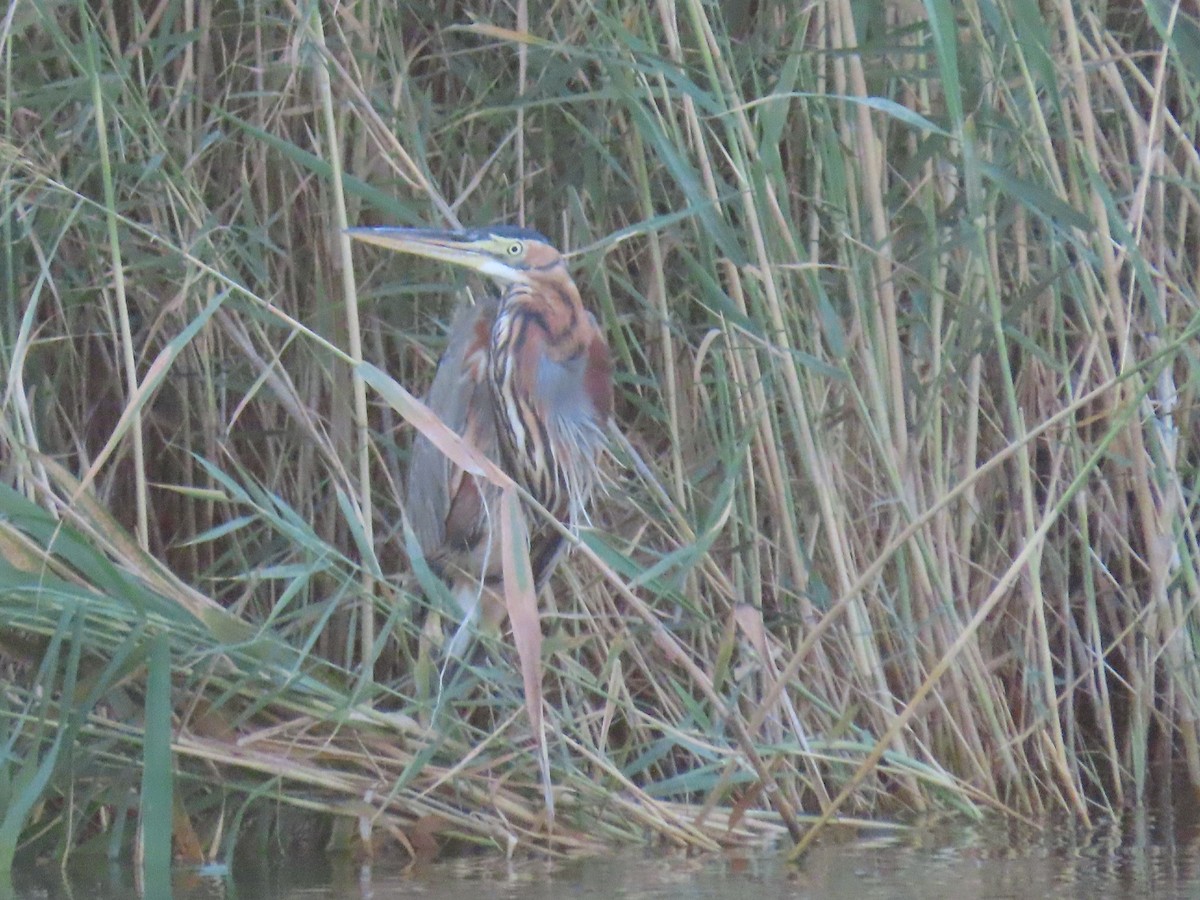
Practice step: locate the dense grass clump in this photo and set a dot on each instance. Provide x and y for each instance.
(903, 302)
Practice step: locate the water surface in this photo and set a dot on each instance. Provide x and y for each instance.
(1136, 857)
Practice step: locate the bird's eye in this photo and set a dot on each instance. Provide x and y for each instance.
(514, 249)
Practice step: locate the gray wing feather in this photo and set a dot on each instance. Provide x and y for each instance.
(451, 396)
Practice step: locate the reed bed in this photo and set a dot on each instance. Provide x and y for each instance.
(900, 513)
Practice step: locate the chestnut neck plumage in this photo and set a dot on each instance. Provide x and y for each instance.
(545, 380)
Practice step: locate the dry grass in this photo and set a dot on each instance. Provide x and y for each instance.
(904, 309)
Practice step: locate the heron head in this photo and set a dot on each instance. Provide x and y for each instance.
(505, 253)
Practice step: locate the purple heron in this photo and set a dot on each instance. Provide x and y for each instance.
(526, 379)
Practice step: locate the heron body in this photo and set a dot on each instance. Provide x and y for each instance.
(526, 379)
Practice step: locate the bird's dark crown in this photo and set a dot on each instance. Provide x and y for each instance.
(508, 231)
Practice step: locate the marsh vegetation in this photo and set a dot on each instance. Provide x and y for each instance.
(903, 306)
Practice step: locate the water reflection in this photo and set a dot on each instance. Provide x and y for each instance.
(1139, 856)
